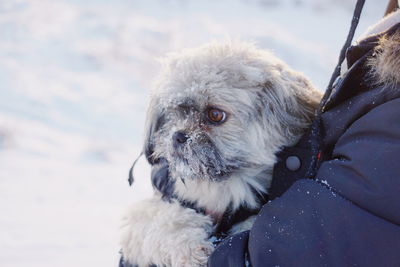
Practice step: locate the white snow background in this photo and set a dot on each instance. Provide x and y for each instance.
(74, 79)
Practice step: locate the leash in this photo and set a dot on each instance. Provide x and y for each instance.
(342, 56)
(316, 126)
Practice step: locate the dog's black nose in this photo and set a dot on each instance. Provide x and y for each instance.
(179, 138)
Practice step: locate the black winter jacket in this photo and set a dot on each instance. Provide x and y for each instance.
(348, 214)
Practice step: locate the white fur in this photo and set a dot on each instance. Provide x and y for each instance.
(269, 106)
(165, 234)
(216, 197)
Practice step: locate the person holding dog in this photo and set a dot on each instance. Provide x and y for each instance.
(338, 204)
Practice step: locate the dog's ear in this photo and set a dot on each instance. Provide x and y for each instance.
(307, 97)
(288, 101)
(160, 178)
(155, 119)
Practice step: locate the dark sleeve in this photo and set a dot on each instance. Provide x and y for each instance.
(231, 252)
(349, 215)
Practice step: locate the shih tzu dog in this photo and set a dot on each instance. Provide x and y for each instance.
(217, 117)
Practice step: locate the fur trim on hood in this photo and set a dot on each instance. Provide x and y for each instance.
(385, 63)
(382, 25)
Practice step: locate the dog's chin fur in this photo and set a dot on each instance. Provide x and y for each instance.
(234, 191)
(220, 167)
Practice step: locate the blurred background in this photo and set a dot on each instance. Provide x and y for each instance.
(74, 82)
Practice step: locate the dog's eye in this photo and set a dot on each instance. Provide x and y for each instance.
(216, 115)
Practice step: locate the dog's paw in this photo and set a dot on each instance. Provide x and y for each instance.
(166, 234)
(195, 254)
(201, 253)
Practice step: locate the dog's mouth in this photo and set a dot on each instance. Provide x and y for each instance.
(209, 167)
(201, 159)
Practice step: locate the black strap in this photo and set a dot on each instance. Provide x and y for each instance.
(342, 56)
(316, 137)
(231, 218)
(189, 205)
(228, 219)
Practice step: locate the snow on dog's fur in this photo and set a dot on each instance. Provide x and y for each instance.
(218, 115)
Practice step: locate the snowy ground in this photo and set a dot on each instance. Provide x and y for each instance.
(74, 77)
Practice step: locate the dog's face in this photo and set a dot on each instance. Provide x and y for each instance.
(224, 110)
(203, 136)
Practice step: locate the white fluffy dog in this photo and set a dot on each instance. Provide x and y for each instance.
(218, 115)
